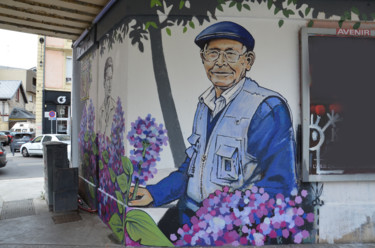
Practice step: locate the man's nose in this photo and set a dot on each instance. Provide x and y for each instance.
(221, 60)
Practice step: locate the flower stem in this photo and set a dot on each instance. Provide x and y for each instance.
(137, 181)
(145, 145)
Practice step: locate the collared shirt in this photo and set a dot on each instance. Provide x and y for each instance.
(218, 104)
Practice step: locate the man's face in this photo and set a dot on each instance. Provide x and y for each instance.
(108, 81)
(221, 72)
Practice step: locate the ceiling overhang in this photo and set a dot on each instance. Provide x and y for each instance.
(66, 19)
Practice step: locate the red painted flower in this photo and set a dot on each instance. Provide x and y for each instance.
(320, 109)
(335, 107)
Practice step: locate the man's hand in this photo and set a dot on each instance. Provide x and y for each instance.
(142, 199)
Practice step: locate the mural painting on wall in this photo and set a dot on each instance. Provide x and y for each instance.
(107, 109)
(87, 138)
(237, 185)
(323, 132)
(86, 76)
(87, 141)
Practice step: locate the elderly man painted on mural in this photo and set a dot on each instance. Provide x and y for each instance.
(242, 134)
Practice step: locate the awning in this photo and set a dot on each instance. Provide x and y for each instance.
(19, 114)
(57, 18)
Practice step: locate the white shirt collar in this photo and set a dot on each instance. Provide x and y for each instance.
(209, 96)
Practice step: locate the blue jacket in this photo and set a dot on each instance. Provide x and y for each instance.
(252, 143)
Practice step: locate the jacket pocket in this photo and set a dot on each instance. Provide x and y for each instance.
(228, 164)
(192, 151)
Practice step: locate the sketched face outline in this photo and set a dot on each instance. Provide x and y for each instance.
(108, 80)
(224, 74)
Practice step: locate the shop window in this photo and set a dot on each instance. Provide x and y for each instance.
(338, 135)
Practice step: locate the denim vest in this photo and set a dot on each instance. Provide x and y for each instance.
(225, 161)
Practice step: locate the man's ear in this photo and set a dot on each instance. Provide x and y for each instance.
(250, 57)
(201, 53)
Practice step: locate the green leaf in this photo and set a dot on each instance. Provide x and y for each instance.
(115, 223)
(127, 166)
(87, 136)
(355, 11)
(93, 137)
(182, 4)
(232, 4)
(340, 23)
(364, 17)
(148, 24)
(112, 174)
(191, 24)
(142, 228)
(94, 149)
(105, 156)
(307, 11)
(294, 2)
(219, 7)
(281, 22)
(289, 2)
(86, 159)
(286, 13)
(310, 24)
(276, 10)
(356, 25)
(347, 15)
(122, 181)
(169, 32)
(269, 4)
(290, 12)
(119, 200)
(373, 16)
(239, 6)
(101, 167)
(184, 30)
(246, 6)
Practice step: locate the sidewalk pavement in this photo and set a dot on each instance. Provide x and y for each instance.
(41, 231)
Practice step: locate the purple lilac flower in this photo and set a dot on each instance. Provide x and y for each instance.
(91, 117)
(147, 138)
(247, 217)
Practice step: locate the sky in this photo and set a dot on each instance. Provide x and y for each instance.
(18, 49)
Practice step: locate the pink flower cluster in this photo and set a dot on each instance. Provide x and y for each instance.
(248, 217)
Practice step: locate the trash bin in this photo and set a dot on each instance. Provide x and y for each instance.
(60, 181)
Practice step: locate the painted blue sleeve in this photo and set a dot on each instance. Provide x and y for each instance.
(170, 188)
(271, 141)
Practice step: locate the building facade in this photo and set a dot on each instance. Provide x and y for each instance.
(139, 77)
(12, 101)
(54, 83)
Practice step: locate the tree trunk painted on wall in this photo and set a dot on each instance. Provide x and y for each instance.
(165, 97)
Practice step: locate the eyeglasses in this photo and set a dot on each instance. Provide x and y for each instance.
(230, 55)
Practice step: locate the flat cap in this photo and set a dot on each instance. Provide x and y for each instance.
(225, 30)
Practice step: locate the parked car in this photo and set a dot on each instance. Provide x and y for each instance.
(7, 133)
(3, 138)
(35, 147)
(20, 139)
(3, 156)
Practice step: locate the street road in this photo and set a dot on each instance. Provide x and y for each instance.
(19, 167)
